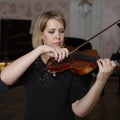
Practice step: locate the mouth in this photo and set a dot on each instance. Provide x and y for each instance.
(57, 43)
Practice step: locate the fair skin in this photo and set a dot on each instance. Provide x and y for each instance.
(53, 37)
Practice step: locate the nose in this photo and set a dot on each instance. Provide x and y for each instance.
(57, 34)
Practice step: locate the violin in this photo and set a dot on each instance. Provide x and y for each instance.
(82, 62)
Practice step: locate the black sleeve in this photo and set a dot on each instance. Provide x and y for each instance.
(3, 86)
(78, 88)
(20, 82)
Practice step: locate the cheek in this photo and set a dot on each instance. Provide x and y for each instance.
(48, 40)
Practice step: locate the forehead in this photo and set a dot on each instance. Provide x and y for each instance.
(54, 23)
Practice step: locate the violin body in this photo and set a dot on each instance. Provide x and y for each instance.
(81, 65)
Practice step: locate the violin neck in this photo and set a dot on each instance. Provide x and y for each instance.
(82, 56)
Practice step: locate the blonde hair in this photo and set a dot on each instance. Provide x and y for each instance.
(41, 25)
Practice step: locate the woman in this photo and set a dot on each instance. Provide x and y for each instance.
(53, 97)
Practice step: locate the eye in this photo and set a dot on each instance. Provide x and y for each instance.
(62, 31)
(51, 32)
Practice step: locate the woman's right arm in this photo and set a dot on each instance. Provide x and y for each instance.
(10, 74)
(14, 70)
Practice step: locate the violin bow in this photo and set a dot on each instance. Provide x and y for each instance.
(93, 37)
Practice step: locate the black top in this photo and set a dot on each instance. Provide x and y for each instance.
(50, 97)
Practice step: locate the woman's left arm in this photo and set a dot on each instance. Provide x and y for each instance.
(83, 106)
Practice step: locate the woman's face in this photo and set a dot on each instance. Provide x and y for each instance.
(53, 33)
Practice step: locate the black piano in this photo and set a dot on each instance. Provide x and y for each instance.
(15, 38)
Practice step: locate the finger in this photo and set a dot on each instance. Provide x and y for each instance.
(107, 61)
(51, 51)
(59, 54)
(113, 63)
(106, 65)
(64, 53)
(102, 65)
(99, 64)
(104, 62)
(67, 52)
